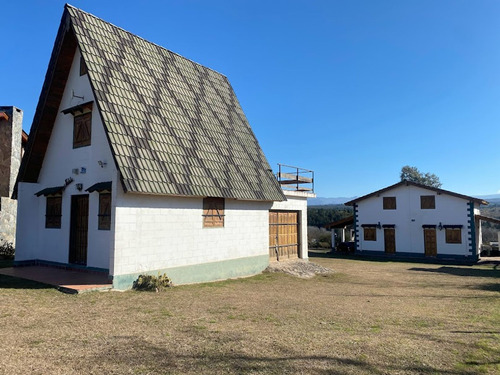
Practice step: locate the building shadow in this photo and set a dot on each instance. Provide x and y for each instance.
(11, 282)
(461, 271)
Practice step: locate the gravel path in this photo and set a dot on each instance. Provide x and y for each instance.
(299, 268)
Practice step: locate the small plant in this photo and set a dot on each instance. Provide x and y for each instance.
(7, 250)
(152, 283)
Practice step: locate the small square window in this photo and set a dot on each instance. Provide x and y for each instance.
(53, 212)
(213, 212)
(427, 202)
(104, 211)
(453, 235)
(370, 233)
(82, 129)
(389, 203)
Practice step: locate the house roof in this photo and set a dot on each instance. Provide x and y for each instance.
(174, 127)
(349, 220)
(100, 186)
(51, 191)
(411, 183)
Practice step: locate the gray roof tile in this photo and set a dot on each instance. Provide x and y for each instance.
(174, 127)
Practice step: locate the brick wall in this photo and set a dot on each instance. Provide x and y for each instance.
(10, 160)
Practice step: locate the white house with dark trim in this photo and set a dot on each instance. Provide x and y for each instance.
(414, 220)
(142, 161)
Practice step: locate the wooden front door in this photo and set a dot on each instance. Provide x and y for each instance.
(390, 240)
(430, 244)
(283, 235)
(79, 229)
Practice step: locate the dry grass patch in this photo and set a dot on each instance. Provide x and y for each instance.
(366, 318)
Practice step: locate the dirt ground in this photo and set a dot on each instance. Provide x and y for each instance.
(364, 318)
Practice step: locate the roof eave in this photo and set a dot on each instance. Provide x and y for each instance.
(407, 183)
(48, 103)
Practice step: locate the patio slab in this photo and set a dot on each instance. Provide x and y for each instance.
(68, 281)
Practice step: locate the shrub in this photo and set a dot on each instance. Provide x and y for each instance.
(152, 283)
(6, 249)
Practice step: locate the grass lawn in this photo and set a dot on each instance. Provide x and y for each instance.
(367, 318)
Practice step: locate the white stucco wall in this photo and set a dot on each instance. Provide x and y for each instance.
(157, 232)
(408, 219)
(52, 244)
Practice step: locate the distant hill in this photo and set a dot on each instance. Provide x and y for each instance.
(327, 201)
(492, 198)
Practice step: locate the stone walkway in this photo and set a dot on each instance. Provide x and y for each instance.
(298, 268)
(68, 281)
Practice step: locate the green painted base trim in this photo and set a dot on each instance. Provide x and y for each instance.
(199, 273)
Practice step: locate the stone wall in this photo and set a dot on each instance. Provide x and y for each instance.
(10, 161)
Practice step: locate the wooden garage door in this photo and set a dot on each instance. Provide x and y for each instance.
(283, 235)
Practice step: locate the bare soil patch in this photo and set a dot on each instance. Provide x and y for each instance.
(365, 318)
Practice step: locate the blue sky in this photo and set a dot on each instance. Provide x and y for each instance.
(352, 89)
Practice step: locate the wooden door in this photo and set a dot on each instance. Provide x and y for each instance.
(390, 240)
(79, 229)
(430, 244)
(283, 235)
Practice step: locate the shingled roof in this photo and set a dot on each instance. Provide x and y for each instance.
(174, 127)
(411, 183)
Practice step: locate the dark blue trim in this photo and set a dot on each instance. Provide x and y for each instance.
(417, 256)
(471, 226)
(67, 266)
(356, 231)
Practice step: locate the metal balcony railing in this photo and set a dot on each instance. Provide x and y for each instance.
(295, 178)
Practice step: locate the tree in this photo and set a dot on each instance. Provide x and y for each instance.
(413, 174)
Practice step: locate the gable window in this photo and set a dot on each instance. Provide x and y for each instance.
(369, 232)
(53, 212)
(453, 233)
(427, 202)
(213, 212)
(83, 66)
(389, 203)
(82, 130)
(104, 211)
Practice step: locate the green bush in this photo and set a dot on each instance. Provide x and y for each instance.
(152, 283)
(6, 249)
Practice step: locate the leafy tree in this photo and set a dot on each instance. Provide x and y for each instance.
(413, 174)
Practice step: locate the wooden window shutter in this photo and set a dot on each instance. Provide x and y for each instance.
(213, 212)
(427, 202)
(370, 233)
(453, 235)
(53, 212)
(83, 66)
(104, 211)
(389, 203)
(82, 130)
